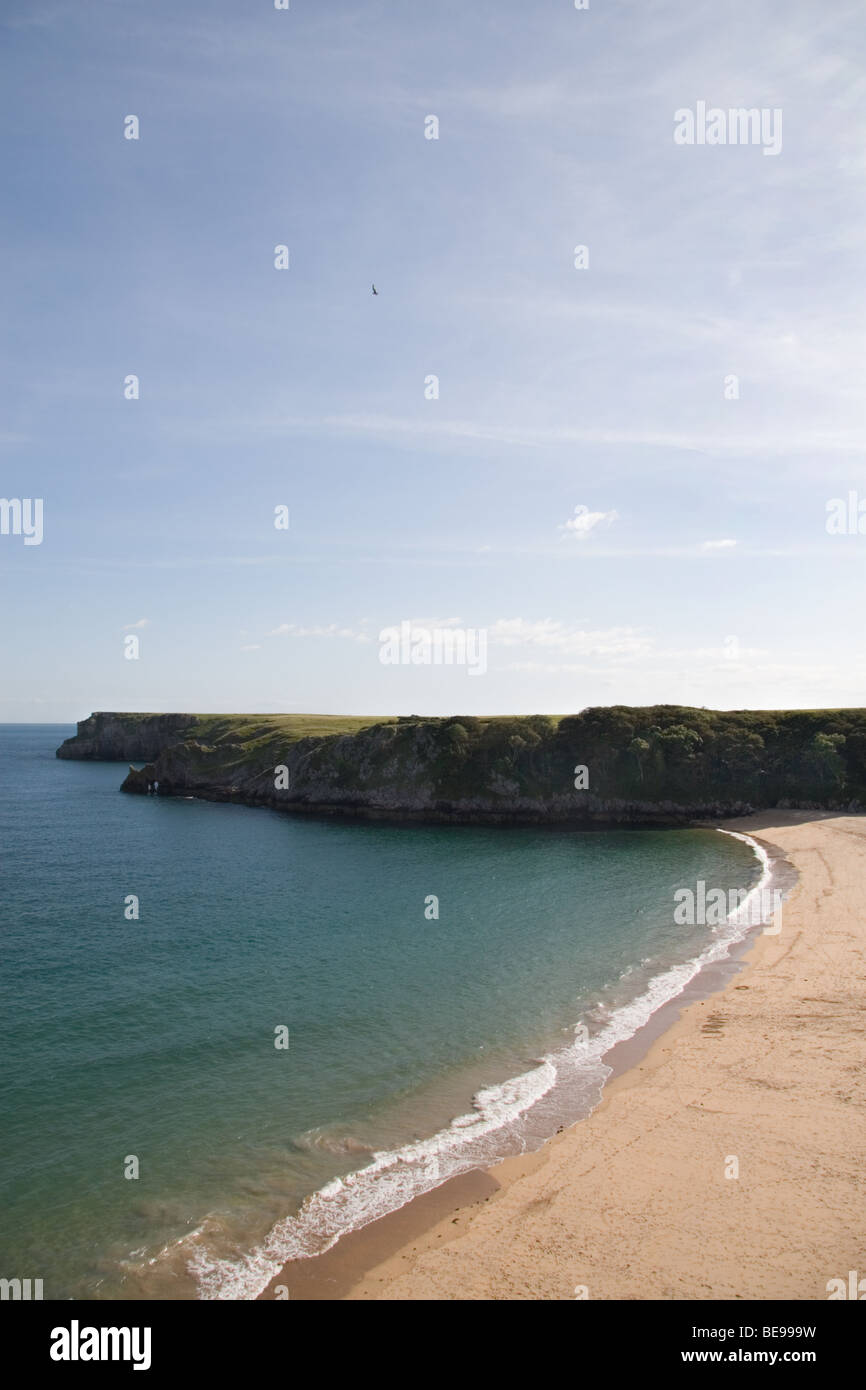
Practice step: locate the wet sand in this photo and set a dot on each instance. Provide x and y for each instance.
(765, 1077)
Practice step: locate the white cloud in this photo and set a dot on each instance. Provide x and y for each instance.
(332, 630)
(718, 545)
(559, 637)
(429, 433)
(584, 521)
(435, 622)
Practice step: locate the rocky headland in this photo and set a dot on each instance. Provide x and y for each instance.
(664, 764)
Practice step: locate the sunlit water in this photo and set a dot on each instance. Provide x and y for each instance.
(153, 1040)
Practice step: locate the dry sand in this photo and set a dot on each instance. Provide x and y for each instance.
(634, 1201)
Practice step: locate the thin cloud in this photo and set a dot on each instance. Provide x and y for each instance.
(429, 432)
(560, 637)
(332, 630)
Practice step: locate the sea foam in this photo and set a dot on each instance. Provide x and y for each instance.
(504, 1119)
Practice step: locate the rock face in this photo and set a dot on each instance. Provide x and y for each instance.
(118, 738)
(664, 765)
(142, 781)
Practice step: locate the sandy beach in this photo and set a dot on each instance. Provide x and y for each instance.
(765, 1078)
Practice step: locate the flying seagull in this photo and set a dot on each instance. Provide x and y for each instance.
(375, 291)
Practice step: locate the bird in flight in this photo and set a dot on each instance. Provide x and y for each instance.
(375, 291)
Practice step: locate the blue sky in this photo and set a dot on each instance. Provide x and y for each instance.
(701, 572)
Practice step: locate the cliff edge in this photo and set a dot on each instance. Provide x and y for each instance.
(663, 764)
(119, 738)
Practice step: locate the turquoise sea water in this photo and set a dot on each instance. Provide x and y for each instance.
(154, 1038)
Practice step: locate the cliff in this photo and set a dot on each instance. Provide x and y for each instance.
(121, 738)
(663, 764)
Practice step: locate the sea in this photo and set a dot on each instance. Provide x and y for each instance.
(230, 1035)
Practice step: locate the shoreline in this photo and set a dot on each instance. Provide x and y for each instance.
(633, 1202)
(345, 1270)
(336, 1272)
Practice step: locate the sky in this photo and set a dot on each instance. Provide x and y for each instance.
(616, 464)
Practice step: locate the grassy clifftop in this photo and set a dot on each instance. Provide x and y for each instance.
(111, 736)
(618, 763)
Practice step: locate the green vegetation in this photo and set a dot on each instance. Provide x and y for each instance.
(253, 728)
(662, 753)
(658, 761)
(670, 752)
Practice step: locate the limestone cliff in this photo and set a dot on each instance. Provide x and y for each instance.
(120, 738)
(662, 764)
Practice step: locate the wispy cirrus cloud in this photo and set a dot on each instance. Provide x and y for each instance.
(414, 431)
(554, 635)
(331, 630)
